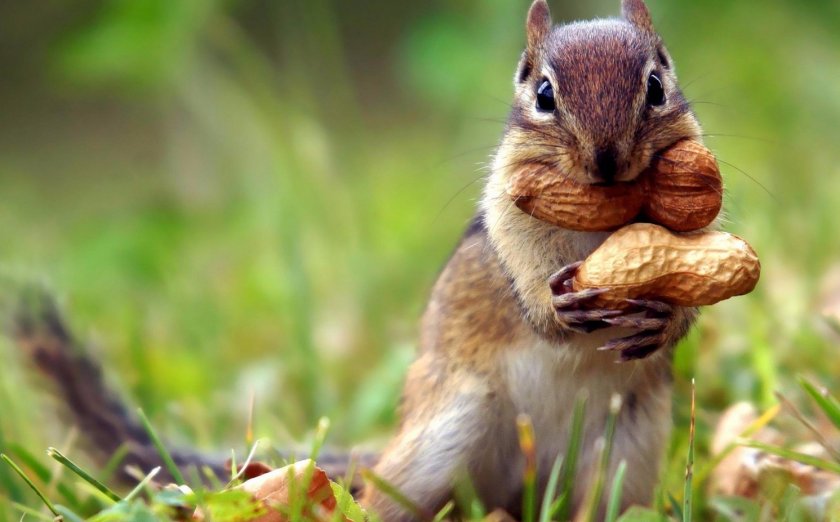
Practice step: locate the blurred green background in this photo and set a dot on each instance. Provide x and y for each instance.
(250, 195)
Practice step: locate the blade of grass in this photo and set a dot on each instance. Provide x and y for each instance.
(614, 502)
(561, 509)
(241, 469)
(763, 364)
(320, 437)
(765, 418)
(211, 479)
(29, 483)
(810, 426)
(660, 502)
(58, 468)
(299, 488)
(234, 467)
(42, 472)
(26, 510)
(676, 507)
(8, 483)
(114, 461)
(527, 445)
(792, 455)
(67, 514)
(466, 497)
(249, 427)
(161, 449)
(444, 512)
(139, 487)
(827, 403)
(84, 475)
(592, 500)
(394, 494)
(689, 467)
(551, 489)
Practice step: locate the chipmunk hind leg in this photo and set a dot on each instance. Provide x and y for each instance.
(438, 444)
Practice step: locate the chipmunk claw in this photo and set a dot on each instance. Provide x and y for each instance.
(651, 306)
(586, 321)
(635, 347)
(571, 307)
(651, 319)
(561, 280)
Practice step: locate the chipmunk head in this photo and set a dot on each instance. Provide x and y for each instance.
(594, 100)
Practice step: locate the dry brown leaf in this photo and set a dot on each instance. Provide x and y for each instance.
(274, 490)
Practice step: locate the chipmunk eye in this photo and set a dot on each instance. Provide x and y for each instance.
(545, 96)
(655, 91)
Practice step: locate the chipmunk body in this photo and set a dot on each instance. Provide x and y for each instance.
(482, 365)
(503, 333)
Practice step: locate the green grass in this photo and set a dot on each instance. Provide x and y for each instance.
(231, 198)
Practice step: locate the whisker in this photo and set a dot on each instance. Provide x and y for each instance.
(467, 152)
(706, 102)
(765, 189)
(485, 119)
(457, 193)
(506, 103)
(692, 81)
(740, 136)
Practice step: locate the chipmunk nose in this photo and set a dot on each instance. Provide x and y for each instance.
(606, 166)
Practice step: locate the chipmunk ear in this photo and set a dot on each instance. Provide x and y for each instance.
(636, 12)
(538, 25)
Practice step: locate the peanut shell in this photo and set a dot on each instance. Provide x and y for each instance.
(684, 187)
(682, 190)
(646, 261)
(556, 199)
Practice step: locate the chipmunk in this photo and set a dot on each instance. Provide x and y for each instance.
(504, 334)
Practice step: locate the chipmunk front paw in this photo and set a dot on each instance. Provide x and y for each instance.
(652, 319)
(574, 309)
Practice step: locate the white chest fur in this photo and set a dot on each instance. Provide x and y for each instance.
(544, 380)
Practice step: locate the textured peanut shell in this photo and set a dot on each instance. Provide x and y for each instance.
(684, 187)
(646, 261)
(561, 201)
(681, 190)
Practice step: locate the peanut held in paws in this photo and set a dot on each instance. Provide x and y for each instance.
(682, 190)
(645, 261)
